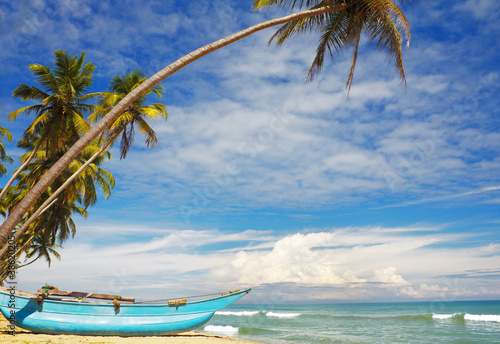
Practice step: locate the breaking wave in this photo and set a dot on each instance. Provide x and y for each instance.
(282, 315)
(240, 314)
(226, 330)
(258, 313)
(468, 317)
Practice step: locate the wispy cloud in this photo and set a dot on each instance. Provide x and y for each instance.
(462, 195)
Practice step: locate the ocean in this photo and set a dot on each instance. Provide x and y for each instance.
(419, 322)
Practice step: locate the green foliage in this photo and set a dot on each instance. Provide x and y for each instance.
(62, 104)
(3, 170)
(59, 123)
(135, 115)
(3, 154)
(381, 21)
(41, 248)
(61, 100)
(76, 198)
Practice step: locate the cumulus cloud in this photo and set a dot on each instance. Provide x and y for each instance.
(389, 276)
(366, 261)
(292, 259)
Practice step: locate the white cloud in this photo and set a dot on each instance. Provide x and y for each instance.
(291, 260)
(482, 190)
(373, 261)
(332, 150)
(329, 150)
(389, 276)
(479, 8)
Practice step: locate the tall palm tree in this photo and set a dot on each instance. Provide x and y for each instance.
(135, 115)
(9, 224)
(61, 104)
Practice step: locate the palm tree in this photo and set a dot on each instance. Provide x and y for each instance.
(135, 114)
(397, 21)
(79, 194)
(41, 248)
(61, 104)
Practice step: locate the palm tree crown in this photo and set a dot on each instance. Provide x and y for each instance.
(380, 20)
(61, 105)
(136, 113)
(61, 100)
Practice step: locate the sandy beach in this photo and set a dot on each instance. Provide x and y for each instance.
(23, 336)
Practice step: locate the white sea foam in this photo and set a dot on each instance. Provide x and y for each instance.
(482, 317)
(282, 315)
(443, 316)
(239, 314)
(226, 330)
(469, 317)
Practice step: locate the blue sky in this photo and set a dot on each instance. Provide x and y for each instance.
(261, 179)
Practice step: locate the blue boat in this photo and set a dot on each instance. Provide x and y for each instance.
(41, 314)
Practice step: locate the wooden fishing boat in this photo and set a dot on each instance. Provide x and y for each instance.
(48, 311)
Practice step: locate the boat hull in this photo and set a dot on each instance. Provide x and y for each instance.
(60, 317)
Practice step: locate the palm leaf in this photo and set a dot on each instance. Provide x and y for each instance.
(26, 92)
(44, 77)
(147, 131)
(333, 38)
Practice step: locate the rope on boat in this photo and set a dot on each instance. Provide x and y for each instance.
(188, 297)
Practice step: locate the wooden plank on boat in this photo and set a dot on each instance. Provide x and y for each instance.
(87, 295)
(19, 292)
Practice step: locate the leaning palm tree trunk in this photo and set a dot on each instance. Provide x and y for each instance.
(16, 215)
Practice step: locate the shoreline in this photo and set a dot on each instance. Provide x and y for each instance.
(191, 337)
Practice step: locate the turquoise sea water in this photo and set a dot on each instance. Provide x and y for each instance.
(423, 322)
